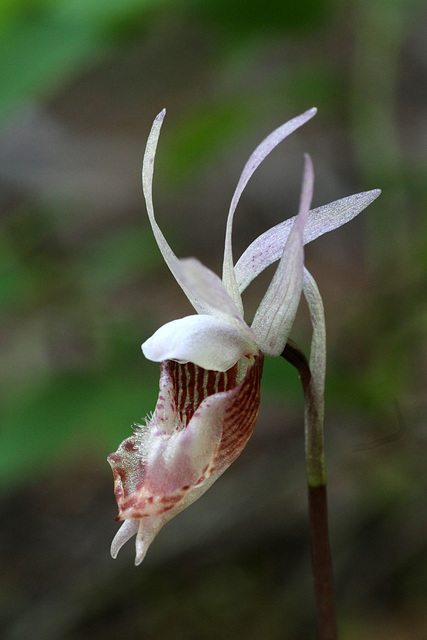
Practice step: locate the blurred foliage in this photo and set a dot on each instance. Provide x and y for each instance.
(88, 380)
(44, 45)
(246, 19)
(82, 283)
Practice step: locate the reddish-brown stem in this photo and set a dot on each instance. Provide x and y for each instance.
(317, 499)
(322, 564)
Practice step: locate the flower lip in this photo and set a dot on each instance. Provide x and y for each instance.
(158, 474)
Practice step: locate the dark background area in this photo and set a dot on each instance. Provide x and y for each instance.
(82, 285)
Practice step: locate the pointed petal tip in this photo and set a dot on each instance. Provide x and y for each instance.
(138, 560)
(306, 116)
(141, 546)
(161, 115)
(306, 189)
(308, 162)
(370, 196)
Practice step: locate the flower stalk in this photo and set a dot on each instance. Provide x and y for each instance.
(321, 557)
(323, 580)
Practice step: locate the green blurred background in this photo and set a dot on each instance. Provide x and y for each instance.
(82, 284)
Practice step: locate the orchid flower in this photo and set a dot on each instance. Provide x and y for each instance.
(211, 362)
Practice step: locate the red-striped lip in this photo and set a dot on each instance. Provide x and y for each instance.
(186, 392)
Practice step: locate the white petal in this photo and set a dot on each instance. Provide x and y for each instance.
(210, 290)
(147, 530)
(126, 531)
(268, 247)
(274, 318)
(206, 341)
(314, 405)
(198, 302)
(318, 343)
(260, 153)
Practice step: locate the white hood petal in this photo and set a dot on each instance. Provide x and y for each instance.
(206, 341)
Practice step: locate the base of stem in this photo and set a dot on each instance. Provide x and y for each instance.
(322, 564)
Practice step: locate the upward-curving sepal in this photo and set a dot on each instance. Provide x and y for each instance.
(199, 302)
(260, 153)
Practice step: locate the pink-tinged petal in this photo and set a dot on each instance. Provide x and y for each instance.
(314, 393)
(199, 302)
(274, 318)
(268, 247)
(209, 342)
(147, 187)
(318, 342)
(240, 417)
(157, 472)
(211, 290)
(260, 153)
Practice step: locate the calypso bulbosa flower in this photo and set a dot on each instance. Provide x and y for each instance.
(211, 362)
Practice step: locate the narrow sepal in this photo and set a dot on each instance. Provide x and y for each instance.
(260, 153)
(210, 290)
(274, 318)
(318, 343)
(268, 247)
(199, 302)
